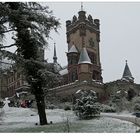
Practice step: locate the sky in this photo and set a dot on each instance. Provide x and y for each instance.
(119, 27)
(119, 35)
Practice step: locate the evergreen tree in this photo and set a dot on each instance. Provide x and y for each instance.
(136, 104)
(87, 106)
(30, 24)
(119, 100)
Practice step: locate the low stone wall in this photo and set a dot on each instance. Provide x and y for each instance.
(113, 87)
(69, 90)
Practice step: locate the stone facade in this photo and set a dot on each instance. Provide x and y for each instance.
(13, 82)
(83, 37)
(103, 90)
(69, 92)
(83, 71)
(83, 32)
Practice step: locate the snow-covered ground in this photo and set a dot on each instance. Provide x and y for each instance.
(24, 119)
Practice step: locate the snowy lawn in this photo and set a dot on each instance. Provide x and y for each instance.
(24, 119)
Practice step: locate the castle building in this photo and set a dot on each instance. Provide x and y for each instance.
(12, 80)
(83, 37)
(83, 71)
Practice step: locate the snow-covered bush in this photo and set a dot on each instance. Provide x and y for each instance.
(67, 108)
(136, 104)
(87, 106)
(107, 108)
(137, 107)
(51, 106)
(119, 101)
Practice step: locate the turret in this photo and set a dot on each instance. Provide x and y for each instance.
(84, 66)
(127, 74)
(73, 57)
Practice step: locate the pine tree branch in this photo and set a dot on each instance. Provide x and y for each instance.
(6, 63)
(2, 32)
(3, 47)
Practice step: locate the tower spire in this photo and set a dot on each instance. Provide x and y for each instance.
(81, 6)
(127, 73)
(126, 61)
(84, 58)
(54, 57)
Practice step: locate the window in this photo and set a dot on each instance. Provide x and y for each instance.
(92, 57)
(91, 43)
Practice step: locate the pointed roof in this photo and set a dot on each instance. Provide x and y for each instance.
(81, 6)
(127, 74)
(54, 57)
(73, 49)
(84, 58)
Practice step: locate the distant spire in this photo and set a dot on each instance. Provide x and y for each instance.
(126, 61)
(127, 74)
(54, 57)
(81, 6)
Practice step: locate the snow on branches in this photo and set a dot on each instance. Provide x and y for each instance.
(87, 106)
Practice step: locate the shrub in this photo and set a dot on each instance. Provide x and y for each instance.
(137, 107)
(67, 108)
(107, 108)
(119, 101)
(136, 104)
(87, 106)
(51, 106)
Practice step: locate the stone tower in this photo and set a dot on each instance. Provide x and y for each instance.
(73, 57)
(84, 32)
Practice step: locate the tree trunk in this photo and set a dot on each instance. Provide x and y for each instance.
(41, 107)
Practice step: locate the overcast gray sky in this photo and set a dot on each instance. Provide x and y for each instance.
(120, 35)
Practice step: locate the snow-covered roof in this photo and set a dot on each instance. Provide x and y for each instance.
(64, 71)
(73, 49)
(84, 58)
